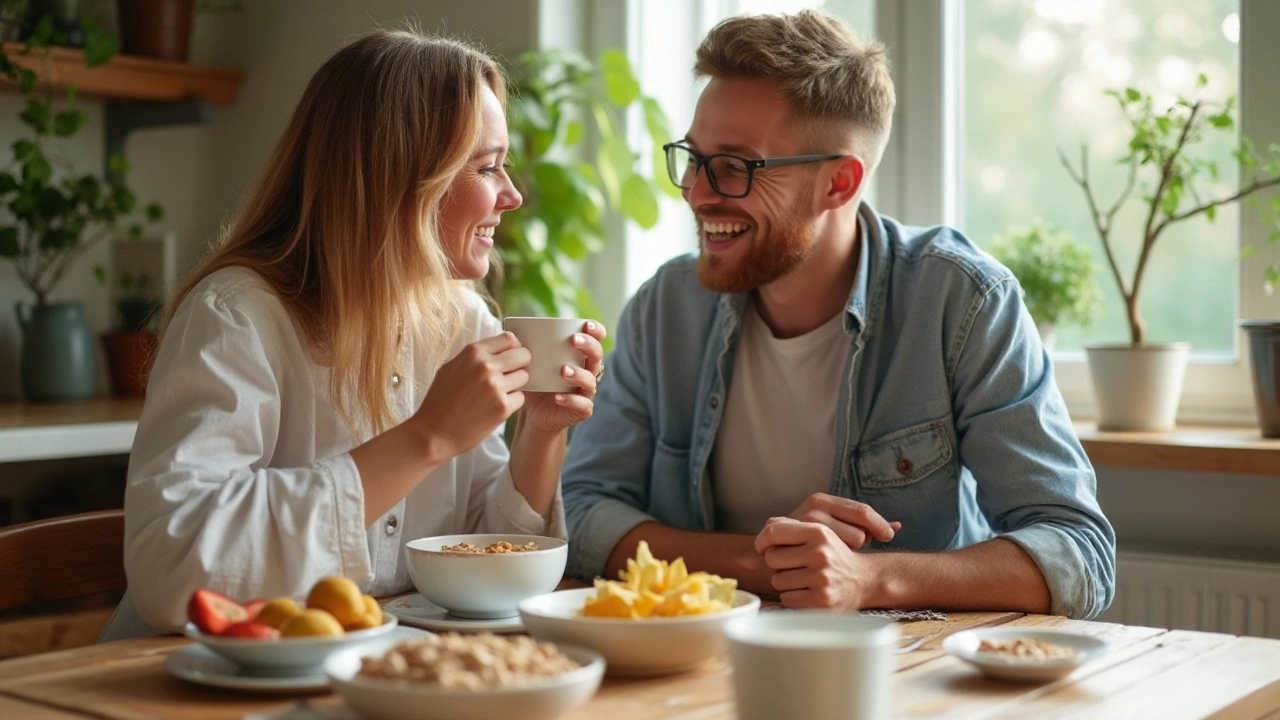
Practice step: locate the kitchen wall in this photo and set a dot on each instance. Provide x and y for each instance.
(198, 172)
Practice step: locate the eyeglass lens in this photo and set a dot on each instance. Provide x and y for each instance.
(728, 175)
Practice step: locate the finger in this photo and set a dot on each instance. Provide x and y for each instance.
(591, 350)
(851, 535)
(595, 329)
(580, 378)
(789, 581)
(514, 401)
(787, 557)
(786, 531)
(498, 343)
(861, 515)
(578, 404)
(512, 382)
(512, 359)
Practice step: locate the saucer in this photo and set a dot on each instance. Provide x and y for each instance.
(418, 611)
(198, 664)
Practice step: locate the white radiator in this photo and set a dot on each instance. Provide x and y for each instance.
(1192, 593)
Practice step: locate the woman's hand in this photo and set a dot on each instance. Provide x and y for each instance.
(555, 412)
(474, 393)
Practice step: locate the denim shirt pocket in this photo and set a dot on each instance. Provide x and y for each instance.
(669, 489)
(911, 476)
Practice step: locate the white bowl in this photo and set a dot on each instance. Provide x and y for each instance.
(483, 586)
(380, 699)
(651, 646)
(288, 655)
(964, 645)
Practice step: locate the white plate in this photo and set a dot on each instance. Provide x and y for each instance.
(420, 612)
(198, 664)
(964, 645)
(652, 646)
(543, 699)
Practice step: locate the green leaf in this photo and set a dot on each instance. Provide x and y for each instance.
(36, 116)
(100, 274)
(43, 32)
(67, 122)
(573, 132)
(99, 44)
(620, 83)
(9, 242)
(1211, 213)
(26, 80)
(23, 149)
(7, 183)
(1202, 80)
(36, 170)
(1132, 95)
(638, 202)
(1221, 120)
(535, 234)
(155, 212)
(615, 161)
(116, 164)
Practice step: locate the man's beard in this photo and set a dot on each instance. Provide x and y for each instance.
(771, 255)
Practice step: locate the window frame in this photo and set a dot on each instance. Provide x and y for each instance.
(919, 178)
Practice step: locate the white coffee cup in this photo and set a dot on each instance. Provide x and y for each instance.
(550, 340)
(812, 664)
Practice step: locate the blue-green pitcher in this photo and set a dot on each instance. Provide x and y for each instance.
(58, 361)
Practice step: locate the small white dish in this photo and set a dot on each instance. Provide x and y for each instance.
(420, 612)
(650, 646)
(964, 645)
(484, 586)
(198, 664)
(379, 699)
(289, 655)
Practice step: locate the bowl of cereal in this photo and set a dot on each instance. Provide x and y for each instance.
(454, 676)
(484, 577)
(1025, 654)
(658, 619)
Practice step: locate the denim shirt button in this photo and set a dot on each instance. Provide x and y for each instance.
(715, 402)
(904, 466)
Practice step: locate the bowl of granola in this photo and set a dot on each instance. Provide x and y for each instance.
(454, 676)
(1025, 654)
(484, 577)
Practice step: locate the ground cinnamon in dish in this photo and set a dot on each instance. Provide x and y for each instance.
(469, 662)
(502, 546)
(1026, 648)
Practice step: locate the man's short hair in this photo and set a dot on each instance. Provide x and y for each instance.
(830, 74)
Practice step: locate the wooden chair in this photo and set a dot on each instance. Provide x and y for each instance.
(56, 560)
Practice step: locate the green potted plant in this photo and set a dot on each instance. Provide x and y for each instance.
(557, 100)
(1137, 385)
(51, 220)
(131, 348)
(1059, 277)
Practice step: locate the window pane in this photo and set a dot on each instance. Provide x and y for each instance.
(1034, 76)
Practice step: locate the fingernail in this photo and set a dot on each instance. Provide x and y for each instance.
(579, 340)
(568, 371)
(591, 325)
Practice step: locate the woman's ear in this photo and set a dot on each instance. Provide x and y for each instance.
(845, 182)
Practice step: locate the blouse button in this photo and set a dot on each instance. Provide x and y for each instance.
(395, 380)
(904, 466)
(715, 402)
(391, 525)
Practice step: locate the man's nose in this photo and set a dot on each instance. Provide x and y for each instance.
(700, 191)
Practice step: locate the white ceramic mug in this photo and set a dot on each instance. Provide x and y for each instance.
(812, 664)
(550, 342)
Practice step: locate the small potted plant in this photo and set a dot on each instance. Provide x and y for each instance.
(132, 348)
(1059, 277)
(1137, 385)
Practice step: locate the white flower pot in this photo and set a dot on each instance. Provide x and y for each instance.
(1138, 387)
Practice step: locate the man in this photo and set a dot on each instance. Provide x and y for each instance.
(821, 386)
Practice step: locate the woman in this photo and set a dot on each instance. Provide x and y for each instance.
(329, 385)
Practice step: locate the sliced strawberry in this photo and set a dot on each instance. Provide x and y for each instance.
(250, 629)
(253, 607)
(213, 613)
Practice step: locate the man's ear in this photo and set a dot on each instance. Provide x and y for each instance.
(845, 182)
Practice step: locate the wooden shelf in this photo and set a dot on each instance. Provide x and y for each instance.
(1193, 448)
(130, 77)
(47, 431)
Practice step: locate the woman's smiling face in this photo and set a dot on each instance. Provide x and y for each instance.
(480, 193)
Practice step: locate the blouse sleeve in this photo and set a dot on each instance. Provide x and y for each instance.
(202, 506)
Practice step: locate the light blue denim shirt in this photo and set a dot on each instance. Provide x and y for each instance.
(948, 418)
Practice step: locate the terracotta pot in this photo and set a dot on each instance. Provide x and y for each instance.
(129, 358)
(156, 28)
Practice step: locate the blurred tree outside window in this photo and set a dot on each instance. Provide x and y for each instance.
(1033, 82)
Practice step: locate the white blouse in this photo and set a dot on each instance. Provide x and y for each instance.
(241, 479)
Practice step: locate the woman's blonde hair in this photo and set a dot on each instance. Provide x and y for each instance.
(829, 74)
(342, 222)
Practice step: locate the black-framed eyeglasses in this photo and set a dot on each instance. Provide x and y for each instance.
(729, 175)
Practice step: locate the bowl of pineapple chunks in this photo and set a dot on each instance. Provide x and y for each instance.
(657, 618)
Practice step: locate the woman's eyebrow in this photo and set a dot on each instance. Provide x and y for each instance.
(485, 152)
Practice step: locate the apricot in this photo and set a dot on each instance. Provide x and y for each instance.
(372, 617)
(340, 597)
(277, 612)
(311, 622)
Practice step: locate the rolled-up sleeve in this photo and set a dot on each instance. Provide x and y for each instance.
(202, 506)
(1035, 485)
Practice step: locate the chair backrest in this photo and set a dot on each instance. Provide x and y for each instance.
(61, 558)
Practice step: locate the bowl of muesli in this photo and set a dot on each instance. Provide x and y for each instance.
(1025, 654)
(456, 676)
(485, 576)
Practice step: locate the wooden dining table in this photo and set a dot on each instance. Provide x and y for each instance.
(1148, 673)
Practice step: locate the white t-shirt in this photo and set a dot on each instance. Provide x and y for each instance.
(241, 478)
(776, 440)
